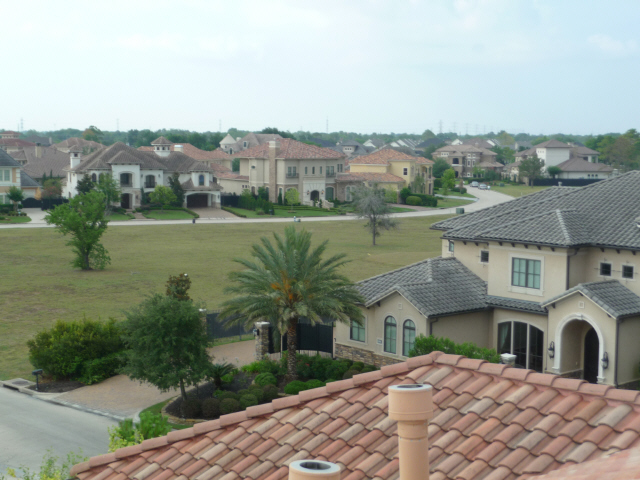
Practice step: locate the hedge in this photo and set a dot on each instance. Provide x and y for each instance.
(425, 345)
(413, 200)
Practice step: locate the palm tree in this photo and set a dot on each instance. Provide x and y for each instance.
(287, 281)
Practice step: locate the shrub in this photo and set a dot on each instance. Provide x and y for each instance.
(357, 366)
(258, 393)
(313, 383)
(247, 401)
(390, 196)
(127, 433)
(243, 392)
(350, 373)
(338, 369)
(192, 407)
(295, 387)
(437, 183)
(265, 379)
(211, 408)
(99, 369)
(262, 366)
(270, 393)
(228, 395)
(63, 350)
(404, 193)
(425, 345)
(413, 200)
(229, 405)
(368, 368)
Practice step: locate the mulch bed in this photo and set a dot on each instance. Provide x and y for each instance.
(57, 387)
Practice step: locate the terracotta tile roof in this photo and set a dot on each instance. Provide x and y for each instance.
(490, 422)
(77, 142)
(232, 176)
(289, 148)
(161, 141)
(369, 177)
(383, 157)
(425, 161)
(194, 152)
(16, 142)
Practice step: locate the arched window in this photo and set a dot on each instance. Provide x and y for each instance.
(390, 335)
(408, 337)
(201, 180)
(93, 177)
(524, 341)
(150, 181)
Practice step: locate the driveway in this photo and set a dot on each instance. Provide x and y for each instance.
(30, 427)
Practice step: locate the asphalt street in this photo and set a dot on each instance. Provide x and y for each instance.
(29, 427)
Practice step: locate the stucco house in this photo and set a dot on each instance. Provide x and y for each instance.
(284, 164)
(138, 171)
(10, 141)
(233, 146)
(464, 158)
(209, 157)
(12, 175)
(85, 146)
(550, 277)
(37, 161)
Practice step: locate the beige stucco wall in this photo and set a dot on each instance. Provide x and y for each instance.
(592, 267)
(569, 322)
(232, 186)
(397, 168)
(469, 327)
(368, 168)
(628, 351)
(469, 255)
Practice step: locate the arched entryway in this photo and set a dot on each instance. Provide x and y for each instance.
(591, 356)
(125, 201)
(315, 196)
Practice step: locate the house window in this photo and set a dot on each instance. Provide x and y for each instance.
(339, 168)
(349, 193)
(524, 341)
(230, 151)
(320, 170)
(93, 177)
(525, 273)
(390, 335)
(329, 193)
(455, 161)
(244, 144)
(201, 180)
(484, 256)
(357, 332)
(306, 170)
(451, 246)
(627, 271)
(5, 175)
(150, 181)
(405, 171)
(125, 179)
(605, 269)
(313, 170)
(408, 337)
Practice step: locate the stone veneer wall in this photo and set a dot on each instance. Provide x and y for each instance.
(365, 356)
(262, 340)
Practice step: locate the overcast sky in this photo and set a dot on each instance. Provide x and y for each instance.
(542, 66)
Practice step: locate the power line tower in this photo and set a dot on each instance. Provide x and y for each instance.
(22, 124)
(454, 128)
(466, 129)
(220, 125)
(440, 126)
(327, 124)
(117, 124)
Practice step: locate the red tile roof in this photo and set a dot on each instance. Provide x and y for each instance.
(382, 157)
(490, 422)
(194, 152)
(16, 142)
(289, 148)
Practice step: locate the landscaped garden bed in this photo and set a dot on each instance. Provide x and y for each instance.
(167, 212)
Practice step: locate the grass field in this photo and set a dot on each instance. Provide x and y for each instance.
(24, 219)
(118, 217)
(516, 190)
(457, 194)
(38, 285)
(444, 202)
(282, 212)
(168, 215)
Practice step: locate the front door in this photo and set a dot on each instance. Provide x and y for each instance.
(315, 195)
(591, 354)
(126, 201)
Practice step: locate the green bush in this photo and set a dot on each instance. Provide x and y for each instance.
(404, 193)
(270, 393)
(437, 183)
(425, 345)
(265, 379)
(368, 368)
(350, 373)
(211, 408)
(262, 366)
(258, 393)
(63, 351)
(357, 366)
(127, 433)
(247, 401)
(192, 407)
(229, 405)
(413, 200)
(228, 395)
(390, 196)
(99, 369)
(295, 387)
(313, 383)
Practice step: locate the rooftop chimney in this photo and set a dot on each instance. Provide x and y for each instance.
(412, 407)
(313, 470)
(178, 148)
(38, 150)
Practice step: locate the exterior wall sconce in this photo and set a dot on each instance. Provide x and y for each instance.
(307, 192)
(552, 350)
(605, 361)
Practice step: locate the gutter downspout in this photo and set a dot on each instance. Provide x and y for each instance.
(569, 264)
(615, 364)
(412, 407)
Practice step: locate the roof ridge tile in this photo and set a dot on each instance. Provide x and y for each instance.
(449, 359)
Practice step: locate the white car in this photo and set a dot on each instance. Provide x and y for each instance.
(474, 184)
(482, 186)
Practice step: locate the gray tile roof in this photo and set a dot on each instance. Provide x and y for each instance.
(514, 304)
(7, 160)
(613, 297)
(27, 181)
(576, 164)
(433, 286)
(51, 161)
(602, 214)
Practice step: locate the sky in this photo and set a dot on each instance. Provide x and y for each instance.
(470, 66)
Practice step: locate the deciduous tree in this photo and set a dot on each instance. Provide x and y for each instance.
(553, 171)
(531, 167)
(85, 184)
(448, 181)
(163, 196)
(292, 197)
(439, 167)
(177, 189)
(16, 195)
(110, 190)
(369, 203)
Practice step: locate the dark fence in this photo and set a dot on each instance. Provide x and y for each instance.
(315, 338)
(565, 182)
(44, 204)
(218, 329)
(229, 200)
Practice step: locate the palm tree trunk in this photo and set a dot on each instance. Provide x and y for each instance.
(292, 334)
(183, 392)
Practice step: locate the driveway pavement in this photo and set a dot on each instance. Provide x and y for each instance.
(486, 198)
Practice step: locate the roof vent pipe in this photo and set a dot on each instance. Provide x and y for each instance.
(508, 359)
(412, 407)
(313, 470)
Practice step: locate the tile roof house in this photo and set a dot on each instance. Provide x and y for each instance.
(464, 158)
(38, 161)
(140, 171)
(351, 148)
(490, 422)
(12, 175)
(210, 157)
(284, 164)
(250, 140)
(87, 146)
(550, 277)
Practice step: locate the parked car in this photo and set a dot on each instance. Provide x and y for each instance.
(483, 186)
(474, 184)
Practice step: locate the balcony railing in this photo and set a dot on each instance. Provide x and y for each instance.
(150, 185)
(292, 174)
(331, 174)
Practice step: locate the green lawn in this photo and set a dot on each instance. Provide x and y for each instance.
(516, 190)
(284, 212)
(445, 202)
(38, 285)
(6, 220)
(118, 217)
(401, 210)
(458, 194)
(168, 215)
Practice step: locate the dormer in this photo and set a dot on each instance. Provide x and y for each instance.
(162, 147)
(75, 155)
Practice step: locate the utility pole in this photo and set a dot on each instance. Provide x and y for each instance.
(440, 124)
(21, 124)
(327, 124)
(220, 125)
(466, 129)
(117, 124)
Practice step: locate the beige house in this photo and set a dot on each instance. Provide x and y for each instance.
(551, 278)
(11, 142)
(209, 157)
(464, 158)
(12, 175)
(233, 146)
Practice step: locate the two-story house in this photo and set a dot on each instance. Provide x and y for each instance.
(209, 157)
(550, 277)
(284, 164)
(139, 172)
(12, 175)
(465, 158)
(234, 146)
